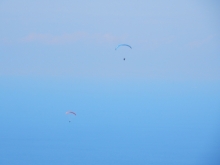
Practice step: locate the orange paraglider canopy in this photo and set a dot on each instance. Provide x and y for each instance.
(70, 112)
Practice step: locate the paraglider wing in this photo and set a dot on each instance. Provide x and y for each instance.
(123, 45)
(70, 112)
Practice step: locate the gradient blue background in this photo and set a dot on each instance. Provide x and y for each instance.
(160, 106)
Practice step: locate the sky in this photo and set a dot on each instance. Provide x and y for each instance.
(159, 106)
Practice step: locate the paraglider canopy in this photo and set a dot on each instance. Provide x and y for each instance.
(70, 112)
(123, 45)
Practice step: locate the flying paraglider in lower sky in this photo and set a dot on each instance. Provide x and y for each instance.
(70, 115)
(120, 45)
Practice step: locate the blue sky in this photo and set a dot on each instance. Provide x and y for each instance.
(159, 106)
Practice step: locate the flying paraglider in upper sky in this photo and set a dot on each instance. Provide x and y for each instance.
(120, 45)
(123, 45)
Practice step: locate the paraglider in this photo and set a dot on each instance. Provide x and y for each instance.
(120, 45)
(70, 113)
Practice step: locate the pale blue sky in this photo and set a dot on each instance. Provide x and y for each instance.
(159, 106)
(170, 40)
